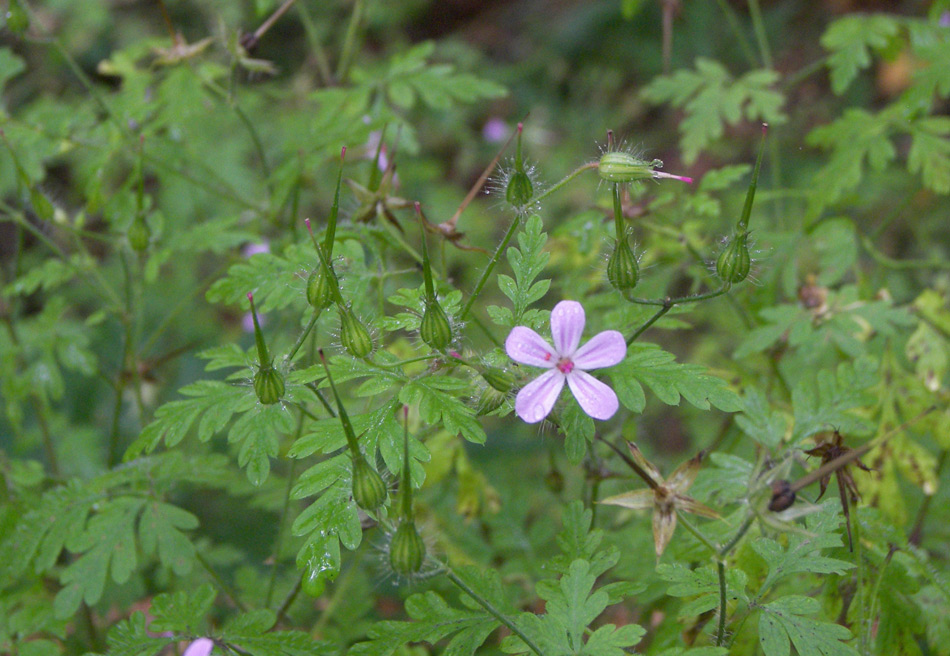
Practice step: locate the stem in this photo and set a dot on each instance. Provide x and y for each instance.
(291, 596)
(758, 25)
(570, 176)
(689, 526)
(916, 534)
(721, 631)
(652, 320)
(224, 587)
(729, 546)
(647, 478)
(279, 541)
(267, 24)
(682, 299)
(349, 42)
(303, 336)
(494, 612)
(741, 39)
(491, 265)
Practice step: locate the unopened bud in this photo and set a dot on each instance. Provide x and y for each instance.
(520, 190)
(17, 20)
(319, 290)
(435, 329)
(499, 379)
(619, 166)
(369, 490)
(732, 265)
(623, 272)
(407, 551)
(353, 334)
(268, 385)
(488, 401)
(139, 235)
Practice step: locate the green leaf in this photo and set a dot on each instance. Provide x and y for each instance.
(650, 365)
(436, 406)
(182, 612)
(108, 540)
(160, 530)
(577, 541)
(759, 421)
(215, 402)
(857, 139)
(702, 584)
(712, 98)
(527, 263)
(785, 621)
(837, 247)
(930, 152)
(435, 620)
(130, 638)
(834, 400)
(850, 40)
(251, 633)
(803, 554)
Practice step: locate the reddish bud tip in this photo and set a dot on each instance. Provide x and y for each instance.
(343, 152)
(765, 128)
(418, 207)
(455, 354)
(250, 296)
(520, 127)
(687, 180)
(320, 353)
(309, 229)
(405, 411)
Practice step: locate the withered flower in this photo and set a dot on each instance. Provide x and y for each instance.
(830, 450)
(665, 496)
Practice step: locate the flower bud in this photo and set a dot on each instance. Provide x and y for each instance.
(353, 334)
(319, 290)
(407, 551)
(369, 490)
(520, 190)
(619, 166)
(489, 401)
(435, 329)
(17, 20)
(732, 265)
(139, 235)
(623, 272)
(499, 379)
(268, 385)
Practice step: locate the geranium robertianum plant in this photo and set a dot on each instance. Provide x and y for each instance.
(379, 456)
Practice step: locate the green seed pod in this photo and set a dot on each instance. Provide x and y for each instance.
(520, 191)
(139, 235)
(499, 379)
(353, 334)
(268, 385)
(489, 401)
(369, 490)
(407, 551)
(618, 166)
(732, 265)
(435, 329)
(623, 272)
(17, 20)
(319, 290)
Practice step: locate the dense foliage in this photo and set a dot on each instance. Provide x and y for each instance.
(275, 372)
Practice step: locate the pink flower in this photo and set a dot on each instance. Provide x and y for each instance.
(565, 362)
(200, 647)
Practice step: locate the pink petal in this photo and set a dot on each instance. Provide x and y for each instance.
(567, 324)
(596, 399)
(603, 350)
(536, 399)
(200, 647)
(528, 347)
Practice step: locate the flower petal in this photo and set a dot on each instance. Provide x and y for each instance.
(567, 324)
(603, 350)
(536, 399)
(637, 499)
(200, 647)
(664, 523)
(528, 347)
(595, 398)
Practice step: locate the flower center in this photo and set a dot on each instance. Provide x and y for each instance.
(565, 366)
